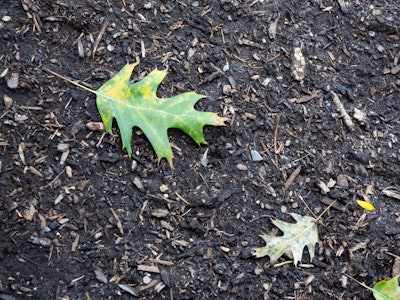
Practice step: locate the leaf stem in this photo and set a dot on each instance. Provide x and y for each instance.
(325, 210)
(70, 81)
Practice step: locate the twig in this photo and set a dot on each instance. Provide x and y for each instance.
(292, 177)
(119, 225)
(308, 207)
(276, 149)
(346, 118)
(99, 36)
(325, 210)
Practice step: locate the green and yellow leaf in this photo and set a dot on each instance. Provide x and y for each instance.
(387, 289)
(295, 237)
(137, 105)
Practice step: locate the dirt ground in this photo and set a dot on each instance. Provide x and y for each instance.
(79, 219)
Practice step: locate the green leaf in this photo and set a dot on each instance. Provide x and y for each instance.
(138, 105)
(387, 289)
(295, 237)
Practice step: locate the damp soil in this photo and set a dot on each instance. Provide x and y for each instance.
(311, 90)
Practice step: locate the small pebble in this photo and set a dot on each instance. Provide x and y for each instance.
(44, 242)
(68, 171)
(225, 249)
(109, 157)
(62, 147)
(12, 82)
(6, 18)
(20, 118)
(163, 188)
(146, 279)
(138, 183)
(342, 182)
(241, 167)
(133, 165)
(255, 156)
(360, 115)
(283, 209)
(225, 67)
(110, 48)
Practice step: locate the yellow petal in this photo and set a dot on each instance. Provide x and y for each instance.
(366, 205)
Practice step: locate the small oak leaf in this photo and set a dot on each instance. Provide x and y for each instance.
(387, 289)
(137, 105)
(295, 237)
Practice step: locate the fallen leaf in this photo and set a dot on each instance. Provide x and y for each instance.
(366, 205)
(387, 289)
(137, 105)
(295, 237)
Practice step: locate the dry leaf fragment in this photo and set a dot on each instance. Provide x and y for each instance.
(391, 193)
(8, 101)
(95, 126)
(272, 29)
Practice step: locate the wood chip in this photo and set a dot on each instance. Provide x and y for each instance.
(272, 29)
(346, 118)
(306, 98)
(391, 193)
(95, 126)
(160, 212)
(160, 261)
(21, 148)
(292, 177)
(75, 243)
(119, 225)
(35, 171)
(396, 267)
(147, 268)
(250, 43)
(395, 70)
(128, 289)
(99, 36)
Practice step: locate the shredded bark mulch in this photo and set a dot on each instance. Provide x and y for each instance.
(311, 90)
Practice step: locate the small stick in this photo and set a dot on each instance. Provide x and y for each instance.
(100, 35)
(292, 177)
(346, 118)
(325, 210)
(119, 225)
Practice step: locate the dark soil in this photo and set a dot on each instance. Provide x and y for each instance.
(106, 231)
